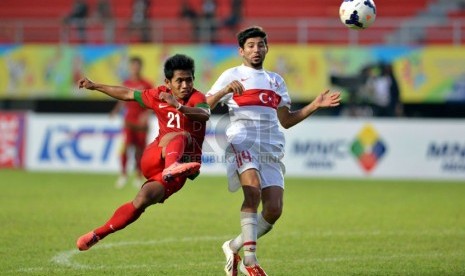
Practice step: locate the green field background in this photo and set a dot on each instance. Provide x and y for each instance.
(329, 227)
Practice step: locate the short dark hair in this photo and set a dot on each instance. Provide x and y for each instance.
(253, 31)
(135, 59)
(178, 62)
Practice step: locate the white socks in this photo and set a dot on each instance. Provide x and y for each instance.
(253, 227)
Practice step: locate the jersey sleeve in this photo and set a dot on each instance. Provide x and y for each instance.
(199, 100)
(221, 82)
(285, 98)
(145, 98)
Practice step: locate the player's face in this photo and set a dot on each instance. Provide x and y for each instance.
(254, 52)
(181, 84)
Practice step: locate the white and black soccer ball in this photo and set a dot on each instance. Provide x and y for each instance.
(357, 14)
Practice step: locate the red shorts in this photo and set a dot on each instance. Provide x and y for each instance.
(135, 137)
(152, 165)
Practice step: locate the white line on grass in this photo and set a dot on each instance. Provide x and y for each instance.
(64, 258)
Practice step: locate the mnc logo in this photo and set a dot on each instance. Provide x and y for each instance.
(368, 148)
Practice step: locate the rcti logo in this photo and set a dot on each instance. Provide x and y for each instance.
(368, 148)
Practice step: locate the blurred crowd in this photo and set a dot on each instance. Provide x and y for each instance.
(203, 19)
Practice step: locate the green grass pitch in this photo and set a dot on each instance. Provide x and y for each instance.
(329, 227)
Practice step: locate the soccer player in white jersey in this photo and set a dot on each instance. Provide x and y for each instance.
(258, 102)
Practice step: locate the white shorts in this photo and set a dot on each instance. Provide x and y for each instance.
(266, 159)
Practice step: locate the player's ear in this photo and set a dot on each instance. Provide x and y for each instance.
(168, 83)
(240, 50)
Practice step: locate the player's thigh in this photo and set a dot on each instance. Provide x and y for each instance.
(272, 190)
(169, 136)
(243, 161)
(152, 163)
(250, 177)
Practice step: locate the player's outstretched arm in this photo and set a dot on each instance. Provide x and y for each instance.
(234, 87)
(289, 118)
(117, 92)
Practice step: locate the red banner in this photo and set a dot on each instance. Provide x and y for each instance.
(11, 139)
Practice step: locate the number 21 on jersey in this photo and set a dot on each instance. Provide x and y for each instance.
(173, 120)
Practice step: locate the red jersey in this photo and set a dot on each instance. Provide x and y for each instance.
(172, 120)
(133, 109)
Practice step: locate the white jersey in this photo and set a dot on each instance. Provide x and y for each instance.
(253, 114)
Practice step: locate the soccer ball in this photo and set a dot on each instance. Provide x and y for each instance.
(357, 14)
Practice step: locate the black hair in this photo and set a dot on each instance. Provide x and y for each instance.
(254, 31)
(136, 59)
(178, 62)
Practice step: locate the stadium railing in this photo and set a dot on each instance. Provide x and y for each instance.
(281, 30)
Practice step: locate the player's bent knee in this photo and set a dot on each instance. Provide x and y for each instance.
(252, 197)
(151, 193)
(272, 212)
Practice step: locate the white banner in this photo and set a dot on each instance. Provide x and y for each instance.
(73, 143)
(390, 148)
(321, 147)
(92, 143)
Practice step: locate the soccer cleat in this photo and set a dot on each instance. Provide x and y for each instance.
(180, 169)
(87, 241)
(121, 182)
(232, 260)
(254, 270)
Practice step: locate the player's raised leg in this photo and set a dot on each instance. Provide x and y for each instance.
(174, 150)
(151, 193)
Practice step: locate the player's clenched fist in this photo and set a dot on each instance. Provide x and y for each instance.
(169, 98)
(86, 83)
(235, 87)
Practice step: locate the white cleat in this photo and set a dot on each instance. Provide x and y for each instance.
(232, 260)
(121, 182)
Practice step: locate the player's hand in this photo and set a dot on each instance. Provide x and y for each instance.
(169, 99)
(86, 83)
(235, 87)
(328, 99)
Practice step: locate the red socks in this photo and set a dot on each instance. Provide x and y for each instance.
(175, 149)
(123, 216)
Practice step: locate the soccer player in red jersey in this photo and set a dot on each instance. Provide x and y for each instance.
(135, 123)
(175, 154)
